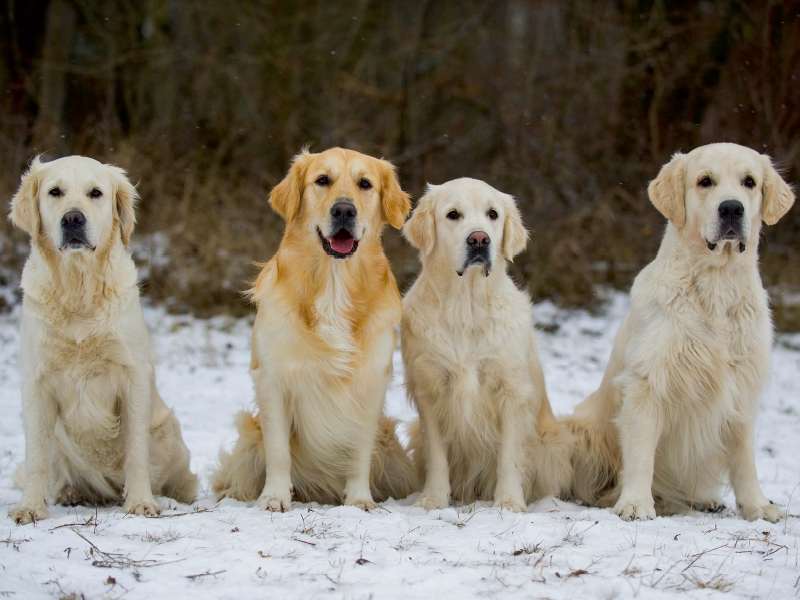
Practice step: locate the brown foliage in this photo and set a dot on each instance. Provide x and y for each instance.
(570, 106)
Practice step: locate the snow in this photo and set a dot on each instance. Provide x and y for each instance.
(233, 550)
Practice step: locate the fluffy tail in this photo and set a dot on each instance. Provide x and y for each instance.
(392, 474)
(242, 473)
(595, 464)
(552, 460)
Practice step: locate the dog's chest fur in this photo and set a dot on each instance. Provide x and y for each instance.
(332, 371)
(715, 365)
(79, 366)
(463, 354)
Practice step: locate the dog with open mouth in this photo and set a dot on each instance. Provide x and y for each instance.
(322, 344)
(486, 430)
(673, 420)
(96, 428)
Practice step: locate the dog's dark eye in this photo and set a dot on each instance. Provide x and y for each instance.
(453, 215)
(95, 193)
(364, 184)
(705, 182)
(55, 192)
(749, 182)
(492, 214)
(323, 180)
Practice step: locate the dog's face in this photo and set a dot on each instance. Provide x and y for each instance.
(718, 194)
(74, 204)
(466, 223)
(338, 197)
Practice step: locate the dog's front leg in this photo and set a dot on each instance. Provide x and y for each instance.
(508, 492)
(750, 500)
(39, 416)
(436, 492)
(357, 485)
(273, 415)
(639, 430)
(137, 405)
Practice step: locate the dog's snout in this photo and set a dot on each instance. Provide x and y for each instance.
(478, 239)
(731, 210)
(344, 210)
(73, 220)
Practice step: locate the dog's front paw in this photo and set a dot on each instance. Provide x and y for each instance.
(142, 507)
(768, 512)
(362, 503)
(274, 501)
(22, 514)
(432, 501)
(512, 504)
(635, 510)
(712, 506)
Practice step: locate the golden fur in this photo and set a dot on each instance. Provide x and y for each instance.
(673, 419)
(96, 430)
(322, 348)
(486, 429)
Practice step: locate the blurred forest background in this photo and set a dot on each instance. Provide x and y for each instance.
(571, 106)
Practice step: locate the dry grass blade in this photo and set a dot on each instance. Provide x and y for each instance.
(115, 560)
(206, 574)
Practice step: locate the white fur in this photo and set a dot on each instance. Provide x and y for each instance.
(486, 429)
(673, 419)
(96, 429)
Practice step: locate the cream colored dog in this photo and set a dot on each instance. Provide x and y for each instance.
(486, 429)
(322, 344)
(674, 417)
(96, 430)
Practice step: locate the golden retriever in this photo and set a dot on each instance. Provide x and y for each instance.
(673, 419)
(322, 344)
(486, 429)
(96, 430)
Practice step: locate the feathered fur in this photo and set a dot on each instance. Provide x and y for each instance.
(486, 430)
(673, 419)
(322, 348)
(96, 430)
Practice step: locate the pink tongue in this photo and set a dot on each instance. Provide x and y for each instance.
(342, 245)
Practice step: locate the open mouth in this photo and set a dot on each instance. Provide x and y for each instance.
(341, 245)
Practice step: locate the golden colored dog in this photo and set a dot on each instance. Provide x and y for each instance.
(673, 420)
(322, 344)
(96, 430)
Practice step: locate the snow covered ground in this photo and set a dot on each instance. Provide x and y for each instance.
(232, 550)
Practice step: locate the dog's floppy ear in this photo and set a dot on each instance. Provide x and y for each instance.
(420, 228)
(125, 199)
(778, 195)
(285, 197)
(395, 203)
(25, 203)
(667, 190)
(515, 236)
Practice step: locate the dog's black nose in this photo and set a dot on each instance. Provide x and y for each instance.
(344, 210)
(478, 239)
(73, 220)
(731, 209)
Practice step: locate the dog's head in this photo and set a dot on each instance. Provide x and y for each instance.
(339, 197)
(466, 223)
(718, 194)
(75, 204)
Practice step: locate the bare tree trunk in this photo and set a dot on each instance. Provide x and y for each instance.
(49, 132)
